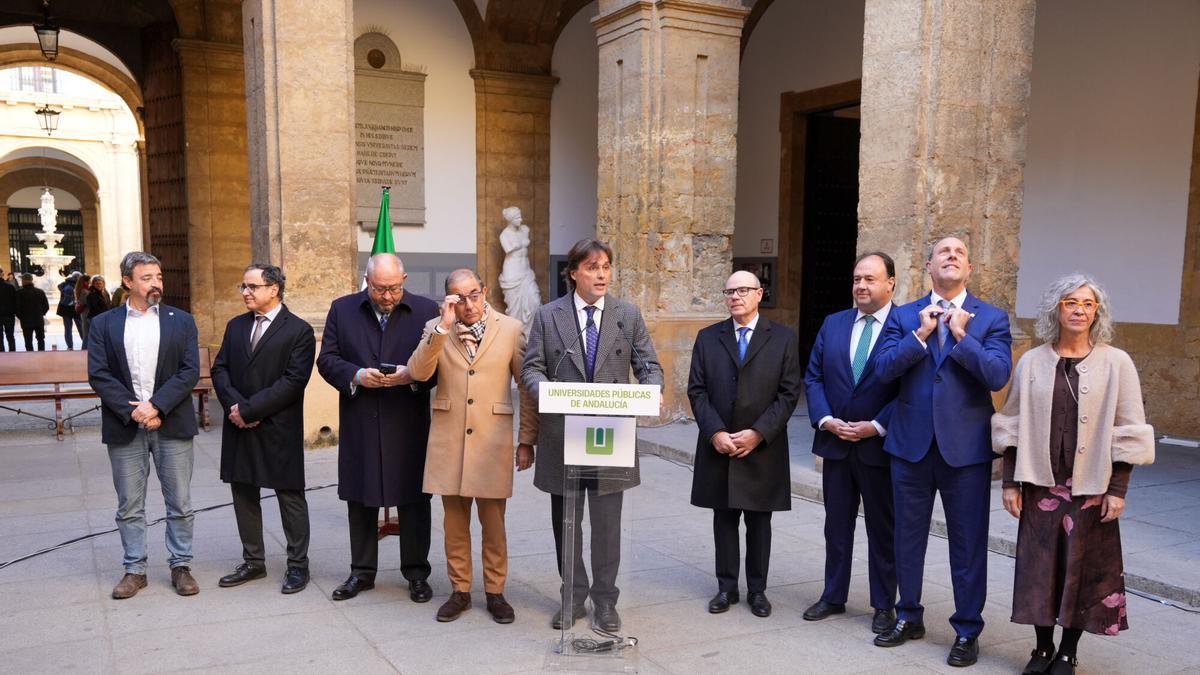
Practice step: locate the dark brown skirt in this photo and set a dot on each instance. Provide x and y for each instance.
(1069, 569)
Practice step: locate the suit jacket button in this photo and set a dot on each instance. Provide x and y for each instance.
(1082, 448)
(1083, 389)
(470, 401)
(937, 379)
(471, 372)
(1083, 419)
(468, 432)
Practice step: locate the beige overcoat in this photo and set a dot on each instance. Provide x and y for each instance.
(471, 438)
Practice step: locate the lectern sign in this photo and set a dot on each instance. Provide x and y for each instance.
(586, 398)
(599, 441)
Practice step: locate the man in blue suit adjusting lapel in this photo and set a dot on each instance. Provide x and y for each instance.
(948, 351)
(143, 362)
(851, 409)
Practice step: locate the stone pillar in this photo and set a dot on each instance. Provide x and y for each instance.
(218, 200)
(945, 101)
(512, 151)
(93, 252)
(5, 261)
(668, 157)
(300, 111)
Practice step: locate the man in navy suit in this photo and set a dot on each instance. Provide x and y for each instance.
(948, 350)
(851, 409)
(143, 362)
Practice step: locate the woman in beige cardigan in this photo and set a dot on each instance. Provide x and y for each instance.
(1070, 433)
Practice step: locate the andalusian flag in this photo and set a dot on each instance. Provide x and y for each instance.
(383, 227)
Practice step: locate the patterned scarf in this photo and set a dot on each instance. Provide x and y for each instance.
(472, 335)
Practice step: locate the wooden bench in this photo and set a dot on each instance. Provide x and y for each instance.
(57, 376)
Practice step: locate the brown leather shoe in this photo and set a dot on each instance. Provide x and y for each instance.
(455, 605)
(128, 586)
(181, 579)
(498, 607)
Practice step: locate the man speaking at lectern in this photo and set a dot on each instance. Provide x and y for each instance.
(587, 336)
(743, 386)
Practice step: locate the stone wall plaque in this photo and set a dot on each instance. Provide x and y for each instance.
(389, 126)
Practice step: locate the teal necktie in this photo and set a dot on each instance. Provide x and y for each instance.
(863, 350)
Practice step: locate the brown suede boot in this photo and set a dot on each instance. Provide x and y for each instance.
(458, 603)
(128, 586)
(498, 607)
(181, 579)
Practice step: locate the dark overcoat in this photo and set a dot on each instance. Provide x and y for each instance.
(383, 432)
(267, 385)
(759, 394)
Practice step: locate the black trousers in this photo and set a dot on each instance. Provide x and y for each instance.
(758, 548)
(605, 520)
(31, 330)
(293, 511)
(414, 540)
(8, 325)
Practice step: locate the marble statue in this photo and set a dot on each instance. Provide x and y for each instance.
(517, 280)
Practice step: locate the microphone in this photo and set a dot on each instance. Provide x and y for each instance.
(578, 336)
(632, 346)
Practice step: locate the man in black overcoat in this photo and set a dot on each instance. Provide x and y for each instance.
(384, 421)
(32, 306)
(260, 374)
(744, 384)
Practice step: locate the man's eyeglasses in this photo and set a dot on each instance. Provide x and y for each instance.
(253, 288)
(472, 297)
(740, 291)
(1088, 306)
(386, 290)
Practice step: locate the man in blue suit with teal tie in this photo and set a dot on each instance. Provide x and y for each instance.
(948, 350)
(851, 409)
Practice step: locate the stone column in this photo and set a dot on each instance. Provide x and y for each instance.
(93, 252)
(218, 200)
(668, 158)
(5, 261)
(300, 110)
(945, 102)
(512, 151)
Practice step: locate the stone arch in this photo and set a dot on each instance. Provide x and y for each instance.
(99, 71)
(756, 14)
(59, 175)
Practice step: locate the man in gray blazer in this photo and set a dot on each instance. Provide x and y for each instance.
(587, 336)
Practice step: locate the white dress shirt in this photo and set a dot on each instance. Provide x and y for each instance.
(881, 316)
(581, 316)
(267, 324)
(752, 325)
(141, 349)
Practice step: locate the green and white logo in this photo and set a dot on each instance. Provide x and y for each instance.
(599, 441)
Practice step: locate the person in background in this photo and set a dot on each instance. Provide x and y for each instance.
(32, 306)
(66, 310)
(98, 300)
(8, 313)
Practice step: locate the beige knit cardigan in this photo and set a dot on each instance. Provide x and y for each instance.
(1111, 427)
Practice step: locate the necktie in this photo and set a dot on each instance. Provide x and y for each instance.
(863, 350)
(593, 341)
(259, 322)
(743, 343)
(942, 328)
(383, 319)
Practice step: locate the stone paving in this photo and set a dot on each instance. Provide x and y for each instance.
(56, 614)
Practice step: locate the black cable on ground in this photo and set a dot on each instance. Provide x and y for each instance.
(85, 537)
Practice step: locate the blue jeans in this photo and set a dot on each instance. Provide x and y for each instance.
(173, 459)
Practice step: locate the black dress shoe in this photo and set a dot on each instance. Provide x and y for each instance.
(295, 581)
(823, 610)
(965, 652)
(1064, 664)
(759, 604)
(420, 591)
(901, 632)
(244, 572)
(721, 601)
(577, 613)
(1039, 662)
(352, 587)
(883, 621)
(606, 617)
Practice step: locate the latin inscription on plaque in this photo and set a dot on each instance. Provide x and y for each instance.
(389, 133)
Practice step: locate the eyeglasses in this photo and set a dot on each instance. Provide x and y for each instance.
(253, 288)
(1088, 306)
(741, 291)
(472, 297)
(387, 290)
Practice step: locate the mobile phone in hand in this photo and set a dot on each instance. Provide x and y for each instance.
(387, 368)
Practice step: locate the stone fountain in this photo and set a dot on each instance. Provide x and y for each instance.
(49, 255)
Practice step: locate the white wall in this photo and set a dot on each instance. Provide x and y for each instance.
(431, 33)
(573, 151)
(796, 46)
(31, 198)
(1111, 123)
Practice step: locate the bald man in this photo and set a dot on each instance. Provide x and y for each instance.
(744, 384)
